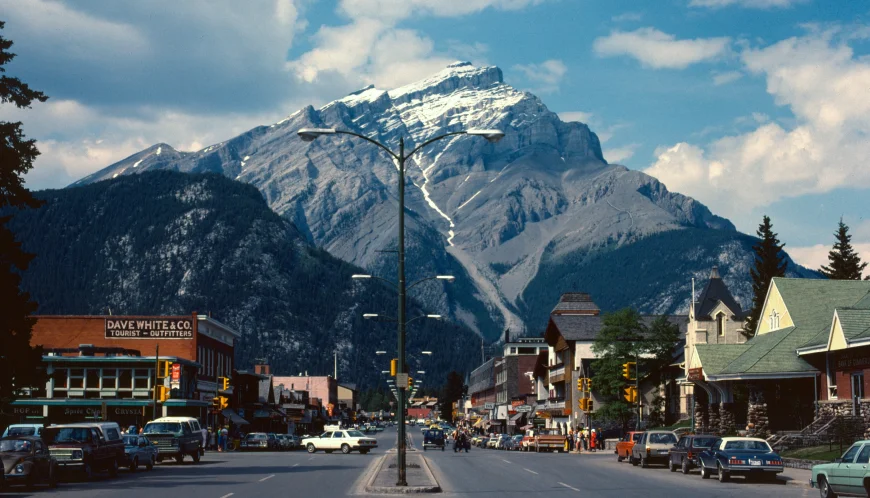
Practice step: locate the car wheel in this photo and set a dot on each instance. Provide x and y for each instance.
(113, 468)
(705, 473)
(671, 466)
(345, 449)
(150, 464)
(179, 459)
(685, 466)
(134, 465)
(424, 447)
(311, 448)
(723, 476)
(825, 488)
(643, 462)
(195, 457)
(619, 458)
(634, 460)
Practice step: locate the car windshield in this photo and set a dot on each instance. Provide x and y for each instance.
(131, 441)
(703, 442)
(256, 436)
(14, 445)
(355, 434)
(747, 446)
(662, 438)
(67, 435)
(21, 431)
(162, 427)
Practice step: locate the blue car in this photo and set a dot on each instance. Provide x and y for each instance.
(740, 456)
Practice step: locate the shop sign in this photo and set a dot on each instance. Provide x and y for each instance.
(293, 406)
(852, 362)
(23, 411)
(524, 409)
(489, 406)
(147, 328)
(695, 374)
(74, 411)
(517, 402)
(125, 410)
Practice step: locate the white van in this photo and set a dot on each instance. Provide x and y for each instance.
(24, 430)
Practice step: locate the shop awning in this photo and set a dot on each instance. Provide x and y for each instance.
(527, 427)
(514, 418)
(479, 423)
(234, 417)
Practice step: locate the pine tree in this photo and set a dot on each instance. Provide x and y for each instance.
(845, 264)
(769, 262)
(19, 362)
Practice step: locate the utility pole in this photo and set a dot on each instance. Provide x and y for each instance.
(156, 379)
(335, 376)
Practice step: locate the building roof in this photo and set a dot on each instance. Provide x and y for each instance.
(586, 327)
(855, 322)
(576, 302)
(811, 304)
(716, 292)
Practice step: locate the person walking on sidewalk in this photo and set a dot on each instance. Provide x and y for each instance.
(593, 440)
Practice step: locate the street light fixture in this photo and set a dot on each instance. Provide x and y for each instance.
(421, 371)
(426, 352)
(369, 316)
(380, 352)
(385, 372)
(308, 135)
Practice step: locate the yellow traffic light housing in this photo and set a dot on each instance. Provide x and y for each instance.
(626, 370)
(630, 394)
(224, 383)
(589, 406)
(410, 382)
(164, 368)
(584, 404)
(161, 393)
(394, 367)
(216, 403)
(580, 384)
(223, 402)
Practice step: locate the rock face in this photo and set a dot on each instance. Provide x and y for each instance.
(173, 243)
(491, 214)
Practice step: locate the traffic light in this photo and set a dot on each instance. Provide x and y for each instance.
(394, 367)
(626, 370)
(580, 384)
(224, 383)
(163, 368)
(161, 393)
(588, 385)
(589, 406)
(584, 385)
(630, 394)
(216, 403)
(410, 382)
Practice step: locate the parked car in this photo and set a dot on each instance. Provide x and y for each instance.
(343, 440)
(684, 455)
(24, 430)
(626, 443)
(86, 447)
(492, 442)
(138, 450)
(653, 447)
(845, 475)
(175, 437)
(746, 456)
(274, 444)
(296, 441)
(517, 443)
(434, 438)
(504, 442)
(528, 443)
(26, 460)
(255, 441)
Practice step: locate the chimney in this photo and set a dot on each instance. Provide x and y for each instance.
(714, 273)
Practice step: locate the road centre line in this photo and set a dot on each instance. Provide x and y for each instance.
(569, 487)
(532, 471)
(228, 495)
(505, 461)
(267, 478)
(295, 464)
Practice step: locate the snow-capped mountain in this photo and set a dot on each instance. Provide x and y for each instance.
(492, 214)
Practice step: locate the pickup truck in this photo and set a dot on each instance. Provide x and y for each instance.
(86, 447)
(548, 440)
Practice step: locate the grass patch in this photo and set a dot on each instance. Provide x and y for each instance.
(825, 453)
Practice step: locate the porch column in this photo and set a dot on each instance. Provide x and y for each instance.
(756, 416)
(715, 420)
(726, 419)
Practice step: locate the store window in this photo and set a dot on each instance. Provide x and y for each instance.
(76, 378)
(93, 378)
(125, 378)
(141, 378)
(110, 378)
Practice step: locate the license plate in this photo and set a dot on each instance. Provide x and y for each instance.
(663, 452)
(755, 463)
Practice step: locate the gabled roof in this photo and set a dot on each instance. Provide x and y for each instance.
(812, 302)
(715, 292)
(715, 357)
(586, 327)
(576, 302)
(855, 323)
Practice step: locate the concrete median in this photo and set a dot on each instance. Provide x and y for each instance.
(419, 476)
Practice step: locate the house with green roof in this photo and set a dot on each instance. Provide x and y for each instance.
(805, 359)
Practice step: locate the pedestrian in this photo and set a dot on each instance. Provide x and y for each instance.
(212, 439)
(593, 440)
(225, 436)
(569, 441)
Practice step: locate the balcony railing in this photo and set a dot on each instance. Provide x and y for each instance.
(556, 403)
(556, 370)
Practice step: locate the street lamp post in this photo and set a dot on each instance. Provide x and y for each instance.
(308, 135)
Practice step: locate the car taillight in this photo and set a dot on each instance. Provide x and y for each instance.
(737, 461)
(689, 455)
(775, 462)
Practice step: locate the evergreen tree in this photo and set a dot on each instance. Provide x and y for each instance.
(769, 262)
(845, 264)
(19, 362)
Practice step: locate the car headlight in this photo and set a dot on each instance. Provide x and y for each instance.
(77, 454)
(19, 469)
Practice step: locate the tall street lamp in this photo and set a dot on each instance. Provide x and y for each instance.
(492, 136)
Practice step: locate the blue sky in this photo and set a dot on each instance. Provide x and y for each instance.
(750, 106)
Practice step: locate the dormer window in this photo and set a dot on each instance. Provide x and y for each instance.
(720, 324)
(774, 320)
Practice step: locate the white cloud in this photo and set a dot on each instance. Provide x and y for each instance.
(619, 154)
(627, 17)
(750, 4)
(580, 116)
(726, 77)
(660, 50)
(813, 257)
(371, 48)
(544, 77)
(825, 87)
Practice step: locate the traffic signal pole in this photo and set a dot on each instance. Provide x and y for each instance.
(637, 389)
(156, 379)
(402, 480)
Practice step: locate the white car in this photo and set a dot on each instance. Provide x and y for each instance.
(343, 440)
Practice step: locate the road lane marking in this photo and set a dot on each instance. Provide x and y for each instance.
(267, 478)
(295, 464)
(505, 461)
(312, 458)
(569, 487)
(227, 496)
(532, 471)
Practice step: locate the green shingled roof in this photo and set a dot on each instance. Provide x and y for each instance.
(714, 357)
(855, 323)
(811, 304)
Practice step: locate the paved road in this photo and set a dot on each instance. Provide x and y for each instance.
(482, 473)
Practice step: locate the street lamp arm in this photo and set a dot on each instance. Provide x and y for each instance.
(424, 280)
(419, 317)
(367, 139)
(393, 284)
(439, 137)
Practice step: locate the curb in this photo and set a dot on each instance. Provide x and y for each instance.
(404, 490)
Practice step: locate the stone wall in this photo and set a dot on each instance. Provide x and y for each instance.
(757, 420)
(701, 423)
(715, 421)
(726, 419)
(843, 408)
